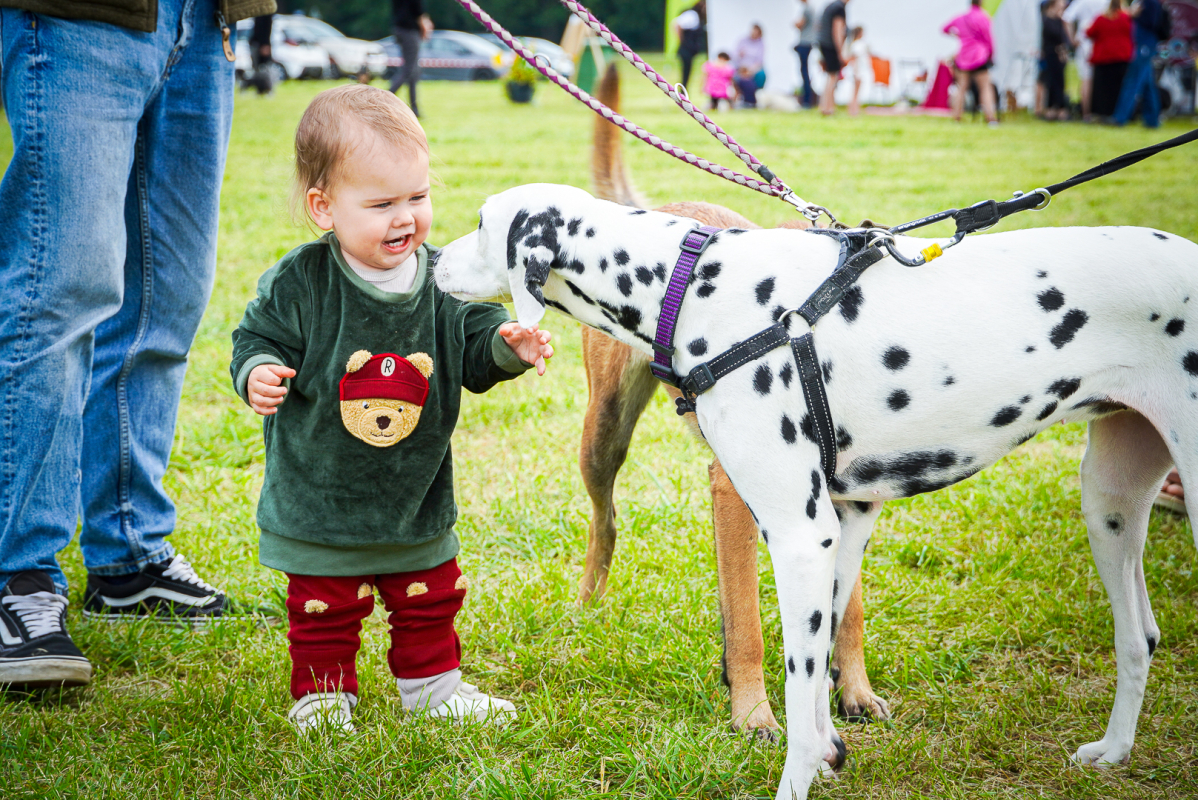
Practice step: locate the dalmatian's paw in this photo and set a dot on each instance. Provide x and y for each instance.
(1102, 755)
(855, 705)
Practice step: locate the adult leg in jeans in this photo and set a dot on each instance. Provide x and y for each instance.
(1139, 84)
(409, 44)
(170, 223)
(804, 51)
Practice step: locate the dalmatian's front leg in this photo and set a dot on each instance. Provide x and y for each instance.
(778, 476)
(857, 700)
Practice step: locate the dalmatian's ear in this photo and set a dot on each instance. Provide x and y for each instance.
(528, 276)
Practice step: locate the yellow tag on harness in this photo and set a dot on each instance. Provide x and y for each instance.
(931, 252)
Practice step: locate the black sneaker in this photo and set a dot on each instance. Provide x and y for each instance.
(35, 649)
(170, 592)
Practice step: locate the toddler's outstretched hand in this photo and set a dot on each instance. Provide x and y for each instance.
(530, 344)
(265, 387)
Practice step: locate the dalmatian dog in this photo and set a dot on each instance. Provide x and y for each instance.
(932, 374)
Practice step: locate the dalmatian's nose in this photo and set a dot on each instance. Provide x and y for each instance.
(383, 422)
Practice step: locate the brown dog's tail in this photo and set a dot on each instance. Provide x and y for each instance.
(609, 174)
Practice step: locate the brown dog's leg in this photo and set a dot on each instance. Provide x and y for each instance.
(620, 386)
(857, 699)
(736, 568)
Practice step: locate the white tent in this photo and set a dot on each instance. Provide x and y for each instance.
(905, 32)
(1016, 48)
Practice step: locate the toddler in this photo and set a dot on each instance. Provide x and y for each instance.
(357, 361)
(719, 79)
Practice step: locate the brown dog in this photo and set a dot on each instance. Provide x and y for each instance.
(620, 387)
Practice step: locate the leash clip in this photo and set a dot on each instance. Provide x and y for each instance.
(1043, 193)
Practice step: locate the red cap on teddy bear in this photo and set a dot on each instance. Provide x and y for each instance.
(386, 377)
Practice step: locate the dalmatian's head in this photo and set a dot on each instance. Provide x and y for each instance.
(513, 251)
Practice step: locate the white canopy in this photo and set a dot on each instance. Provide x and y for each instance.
(1017, 48)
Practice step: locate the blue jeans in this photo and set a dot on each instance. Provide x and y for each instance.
(107, 257)
(1140, 84)
(808, 98)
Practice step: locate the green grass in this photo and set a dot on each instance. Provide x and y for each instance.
(987, 626)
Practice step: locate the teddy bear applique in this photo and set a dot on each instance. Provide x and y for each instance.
(382, 396)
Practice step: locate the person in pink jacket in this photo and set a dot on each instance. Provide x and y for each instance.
(719, 80)
(974, 60)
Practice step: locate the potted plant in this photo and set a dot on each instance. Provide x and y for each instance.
(521, 81)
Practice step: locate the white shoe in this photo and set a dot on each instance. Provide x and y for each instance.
(321, 710)
(467, 702)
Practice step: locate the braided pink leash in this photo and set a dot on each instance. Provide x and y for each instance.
(772, 185)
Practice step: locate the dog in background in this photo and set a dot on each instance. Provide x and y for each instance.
(620, 386)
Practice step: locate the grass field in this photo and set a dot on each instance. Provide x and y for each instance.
(988, 629)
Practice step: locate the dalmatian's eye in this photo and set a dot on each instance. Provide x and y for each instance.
(366, 405)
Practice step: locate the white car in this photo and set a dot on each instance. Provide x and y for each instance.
(347, 56)
(296, 58)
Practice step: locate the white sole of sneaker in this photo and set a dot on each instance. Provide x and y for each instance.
(38, 672)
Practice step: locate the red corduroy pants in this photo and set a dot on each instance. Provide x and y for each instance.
(325, 617)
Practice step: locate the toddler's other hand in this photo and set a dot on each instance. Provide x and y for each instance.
(530, 344)
(265, 387)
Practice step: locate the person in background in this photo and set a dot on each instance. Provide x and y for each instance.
(411, 26)
(1140, 83)
(691, 29)
(808, 38)
(261, 77)
(1078, 17)
(750, 66)
(832, 37)
(859, 64)
(719, 79)
(1054, 51)
(107, 259)
(974, 59)
(1112, 51)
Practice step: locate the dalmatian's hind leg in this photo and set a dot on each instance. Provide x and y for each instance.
(1126, 460)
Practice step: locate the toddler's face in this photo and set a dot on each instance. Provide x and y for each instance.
(380, 209)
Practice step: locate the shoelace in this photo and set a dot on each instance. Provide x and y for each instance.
(41, 612)
(180, 570)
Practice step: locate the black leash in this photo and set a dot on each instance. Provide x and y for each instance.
(860, 248)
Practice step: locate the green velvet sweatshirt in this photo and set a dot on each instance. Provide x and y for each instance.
(333, 503)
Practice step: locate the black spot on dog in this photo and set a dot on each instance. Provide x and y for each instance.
(1154, 317)
(1051, 299)
(579, 293)
(697, 347)
(789, 434)
(834, 625)
(835, 588)
(786, 374)
(807, 426)
(659, 271)
(763, 379)
(1160, 236)
(815, 488)
(810, 667)
(1115, 523)
(1064, 387)
(1063, 333)
(861, 506)
(817, 619)
(790, 664)
(898, 400)
(826, 543)
(572, 228)
(1041, 274)
(902, 467)
(1175, 326)
(836, 485)
(602, 264)
(895, 358)
(672, 222)
(638, 212)
(1100, 405)
(1006, 416)
(705, 289)
(850, 304)
(765, 536)
(1046, 411)
(557, 305)
(590, 233)
(843, 440)
(624, 284)
(1027, 398)
(644, 275)
(765, 290)
(710, 270)
(733, 231)
(950, 380)
(1024, 439)
(1151, 646)
(1190, 362)
(826, 368)
(627, 317)
(621, 257)
(1029, 349)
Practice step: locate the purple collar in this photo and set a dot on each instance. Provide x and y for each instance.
(692, 246)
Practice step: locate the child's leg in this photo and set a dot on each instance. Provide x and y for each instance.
(422, 606)
(325, 616)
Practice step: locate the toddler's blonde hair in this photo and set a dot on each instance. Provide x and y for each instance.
(330, 129)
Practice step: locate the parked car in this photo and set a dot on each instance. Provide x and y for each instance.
(346, 56)
(296, 53)
(559, 59)
(453, 56)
